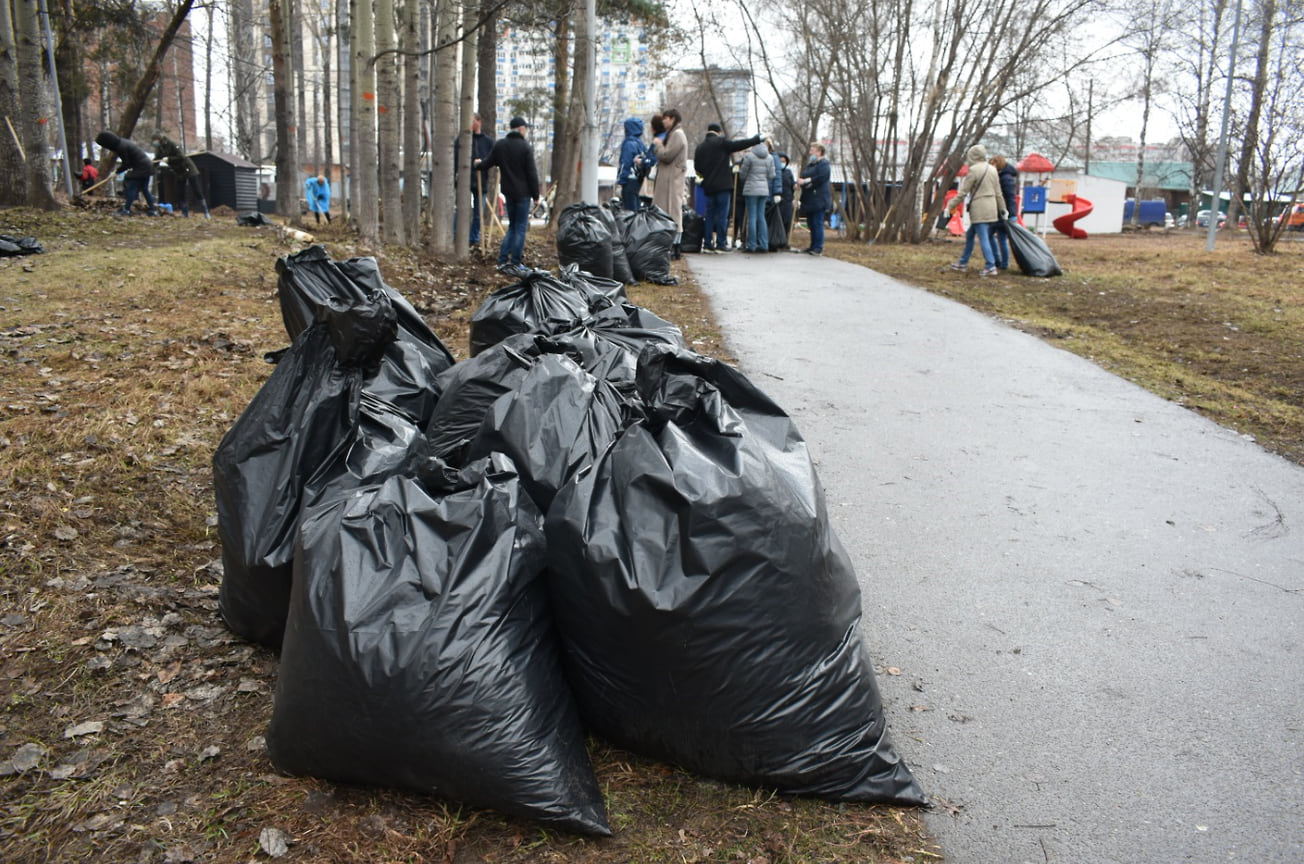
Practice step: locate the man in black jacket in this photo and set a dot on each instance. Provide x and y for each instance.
(185, 170)
(711, 162)
(481, 146)
(519, 177)
(139, 168)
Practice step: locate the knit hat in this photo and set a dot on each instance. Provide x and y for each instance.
(517, 122)
(714, 127)
(977, 153)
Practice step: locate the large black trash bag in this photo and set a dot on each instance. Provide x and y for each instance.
(584, 239)
(472, 386)
(301, 418)
(253, 219)
(310, 281)
(610, 340)
(11, 246)
(420, 652)
(710, 616)
(611, 289)
(620, 270)
(694, 229)
(649, 235)
(774, 220)
(1031, 252)
(538, 303)
(552, 424)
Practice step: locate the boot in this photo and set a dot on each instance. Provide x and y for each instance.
(674, 252)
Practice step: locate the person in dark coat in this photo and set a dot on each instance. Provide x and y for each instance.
(634, 164)
(816, 196)
(1009, 176)
(519, 176)
(138, 166)
(712, 163)
(181, 165)
(481, 146)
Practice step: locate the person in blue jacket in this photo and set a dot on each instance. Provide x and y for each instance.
(634, 164)
(816, 196)
(318, 193)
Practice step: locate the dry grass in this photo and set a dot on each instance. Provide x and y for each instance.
(126, 352)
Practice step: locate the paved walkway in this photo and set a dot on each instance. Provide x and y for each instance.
(1087, 602)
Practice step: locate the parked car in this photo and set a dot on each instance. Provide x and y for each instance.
(1154, 214)
(1202, 219)
(1294, 218)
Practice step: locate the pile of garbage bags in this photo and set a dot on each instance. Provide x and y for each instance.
(583, 528)
(612, 242)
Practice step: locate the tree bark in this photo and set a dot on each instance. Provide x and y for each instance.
(462, 242)
(13, 179)
(365, 180)
(287, 162)
(33, 122)
(388, 107)
(441, 145)
(411, 123)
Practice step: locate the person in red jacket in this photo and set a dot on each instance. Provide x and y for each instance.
(88, 176)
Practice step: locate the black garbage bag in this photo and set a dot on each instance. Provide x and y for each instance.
(774, 219)
(710, 616)
(309, 282)
(1031, 252)
(11, 246)
(620, 270)
(302, 417)
(253, 219)
(649, 236)
(472, 386)
(420, 652)
(609, 341)
(694, 230)
(584, 239)
(612, 289)
(537, 304)
(552, 424)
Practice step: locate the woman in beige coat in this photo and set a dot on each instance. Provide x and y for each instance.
(672, 170)
(982, 187)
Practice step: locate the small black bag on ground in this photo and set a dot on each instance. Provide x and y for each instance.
(1031, 252)
(420, 653)
(584, 239)
(14, 246)
(710, 616)
(694, 230)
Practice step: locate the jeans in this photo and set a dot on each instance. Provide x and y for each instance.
(518, 219)
(137, 186)
(474, 239)
(629, 194)
(717, 219)
(1001, 235)
(758, 233)
(983, 231)
(815, 220)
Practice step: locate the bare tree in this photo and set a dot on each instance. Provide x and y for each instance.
(1150, 35)
(13, 179)
(411, 48)
(388, 107)
(466, 99)
(441, 147)
(246, 74)
(287, 161)
(33, 121)
(364, 188)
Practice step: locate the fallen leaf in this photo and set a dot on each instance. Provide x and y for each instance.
(274, 841)
(27, 757)
(90, 727)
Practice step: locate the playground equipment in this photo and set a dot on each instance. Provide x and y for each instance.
(1064, 224)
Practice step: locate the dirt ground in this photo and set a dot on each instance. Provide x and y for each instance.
(132, 720)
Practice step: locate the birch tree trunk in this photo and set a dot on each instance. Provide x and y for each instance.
(441, 145)
(245, 49)
(294, 35)
(567, 183)
(344, 100)
(32, 120)
(462, 242)
(388, 105)
(365, 180)
(411, 44)
(13, 180)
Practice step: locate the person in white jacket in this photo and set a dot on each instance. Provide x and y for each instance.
(982, 187)
(756, 172)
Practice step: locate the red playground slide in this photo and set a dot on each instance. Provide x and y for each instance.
(1064, 224)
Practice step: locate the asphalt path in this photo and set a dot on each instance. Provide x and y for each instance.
(1086, 603)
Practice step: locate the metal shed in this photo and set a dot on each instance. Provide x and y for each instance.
(229, 180)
